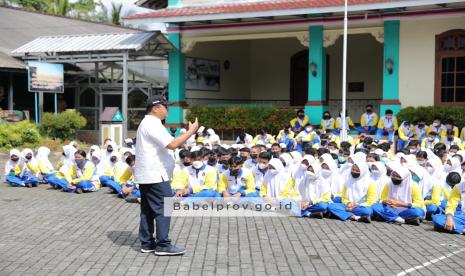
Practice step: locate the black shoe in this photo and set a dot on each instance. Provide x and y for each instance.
(29, 185)
(79, 191)
(414, 221)
(131, 198)
(169, 251)
(366, 219)
(35, 185)
(318, 215)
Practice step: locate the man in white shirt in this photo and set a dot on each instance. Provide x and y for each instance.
(153, 172)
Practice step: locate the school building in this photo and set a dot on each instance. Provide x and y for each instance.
(289, 53)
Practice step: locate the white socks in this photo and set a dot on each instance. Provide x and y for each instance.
(399, 220)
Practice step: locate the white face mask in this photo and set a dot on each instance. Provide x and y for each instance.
(273, 171)
(326, 173)
(375, 174)
(303, 166)
(262, 166)
(311, 176)
(308, 129)
(422, 163)
(430, 170)
(447, 168)
(197, 164)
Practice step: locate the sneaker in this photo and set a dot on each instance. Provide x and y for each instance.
(79, 191)
(415, 221)
(29, 185)
(169, 251)
(317, 215)
(131, 198)
(35, 185)
(366, 219)
(147, 250)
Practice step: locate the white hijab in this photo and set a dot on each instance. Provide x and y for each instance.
(357, 188)
(426, 183)
(335, 180)
(382, 179)
(10, 164)
(313, 189)
(275, 182)
(100, 166)
(42, 156)
(287, 158)
(402, 192)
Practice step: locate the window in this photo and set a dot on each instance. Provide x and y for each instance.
(450, 68)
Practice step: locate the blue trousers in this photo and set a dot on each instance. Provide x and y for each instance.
(15, 181)
(444, 204)
(152, 208)
(339, 210)
(302, 145)
(86, 186)
(371, 130)
(113, 185)
(105, 179)
(432, 209)
(206, 193)
(58, 182)
(402, 144)
(389, 213)
(337, 199)
(439, 221)
(319, 207)
(380, 132)
(135, 191)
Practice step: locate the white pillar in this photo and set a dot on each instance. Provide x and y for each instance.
(125, 96)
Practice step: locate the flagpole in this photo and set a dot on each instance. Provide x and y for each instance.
(344, 76)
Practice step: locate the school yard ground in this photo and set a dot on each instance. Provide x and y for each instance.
(47, 232)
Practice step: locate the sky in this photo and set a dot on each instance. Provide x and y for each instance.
(128, 6)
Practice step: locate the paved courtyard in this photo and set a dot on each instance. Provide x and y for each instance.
(47, 232)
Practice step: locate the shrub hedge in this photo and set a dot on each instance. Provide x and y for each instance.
(62, 125)
(247, 118)
(428, 113)
(17, 134)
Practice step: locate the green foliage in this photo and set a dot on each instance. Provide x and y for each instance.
(17, 134)
(62, 125)
(428, 113)
(116, 13)
(249, 118)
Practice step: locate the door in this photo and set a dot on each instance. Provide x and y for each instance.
(112, 100)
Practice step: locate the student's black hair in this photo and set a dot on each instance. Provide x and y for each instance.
(361, 150)
(432, 133)
(205, 152)
(262, 131)
(285, 150)
(196, 154)
(374, 155)
(459, 157)
(328, 131)
(233, 151)
(333, 144)
(275, 145)
(262, 147)
(236, 160)
(310, 151)
(368, 140)
(388, 111)
(345, 145)
(455, 147)
(322, 151)
(300, 111)
(184, 153)
(440, 146)
(453, 178)
(344, 151)
(439, 152)
(384, 146)
(222, 151)
(265, 155)
(130, 159)
(437, 118)
(413, 143)
(324, 136)
(334, 156)
(405, 151)
(81, 153)
(422, 154)
(420, 119)
(372, 147)
(369, 105)
(256, 147)
(449, 121)
(244, 150)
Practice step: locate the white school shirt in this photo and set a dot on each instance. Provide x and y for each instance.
(155, 163)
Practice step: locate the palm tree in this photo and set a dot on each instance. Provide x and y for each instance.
(116, 13)
(60, 7)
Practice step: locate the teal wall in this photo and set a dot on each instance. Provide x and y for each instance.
(176, 80)
(174, 3)
(391, 50)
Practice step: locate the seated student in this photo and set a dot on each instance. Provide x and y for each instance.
(30, 168)
(130, 190)
(406, 133)
(299, 122)
(327, 122)
(449, 125)
(64, 167)
(454, 219)
(244, 139)
(180, 173)
(401, 200)
(93, 148)
(330, 173)
(430, 189)
(253, 160)
(200, 135)
(212, 137)
(358, 195)
(365, 143)
(264, 138)
(237, 181)
(286, 136)
(44, 166)
(452, 140)
(368, 121)
(223, 160)
(305, 137)
(201, 180)
(430, 141)
(338, 124)
(13, 168)
(387, 125)
(332, 138)
(260, 169)
(378, 173)
(244, 153)
(111, 147)
(82, 176)
(113, 172)
(420, 129)
(313, 192)
(436, 126)
(276, 185)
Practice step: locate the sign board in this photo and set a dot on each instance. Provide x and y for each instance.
(45, 77)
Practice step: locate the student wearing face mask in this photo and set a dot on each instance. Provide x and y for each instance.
(65, 165)
(451, 140)
(327, 122)
(287, 137)
(244, 153)
(223, 161)
(111, 147)
(44, 165)
(413, 147)
(260, 169)
(368, 121)
(387, 125)
(454, 219)
(30, 169)
(406, 133)
(130, 190)
(436, 127)
(276, 150)
(305, 137)
(180, 172)
(277, 185)
(130, 143)
(330, 174)
(300, 121)
(82, 177)
(401, 199)
(113, 172)
(431, 191)
(202, 180)
(430, 141)
(420, 129)
(338, 124)
(92, 149)
(253, 160)
(264, 138)
(13, 168)
(237, 182)
(358, 195)
(378, 173)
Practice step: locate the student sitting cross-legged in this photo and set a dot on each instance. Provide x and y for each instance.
(401, 200)
(454, 219)
(45, 167)
(30, 169)
(237, 182)
(130, 190)
(113, 172)
(13, 169)
(82, 176)
(358, 195)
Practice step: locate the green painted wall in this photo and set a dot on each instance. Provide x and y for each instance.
(174, 3)
(391, 50)
(176, 80)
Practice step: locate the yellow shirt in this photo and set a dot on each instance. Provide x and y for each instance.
(454, 199)
(232, 184)
(287, 192)
(417, 198)
(371, 196)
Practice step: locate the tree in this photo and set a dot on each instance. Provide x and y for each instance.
(116, 13)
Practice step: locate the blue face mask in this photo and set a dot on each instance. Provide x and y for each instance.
(79, 162)
(341, 159)
(416, 178)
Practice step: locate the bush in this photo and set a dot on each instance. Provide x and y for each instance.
(247, 118)
(62, 125)
(428, 113)
(17, 134)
